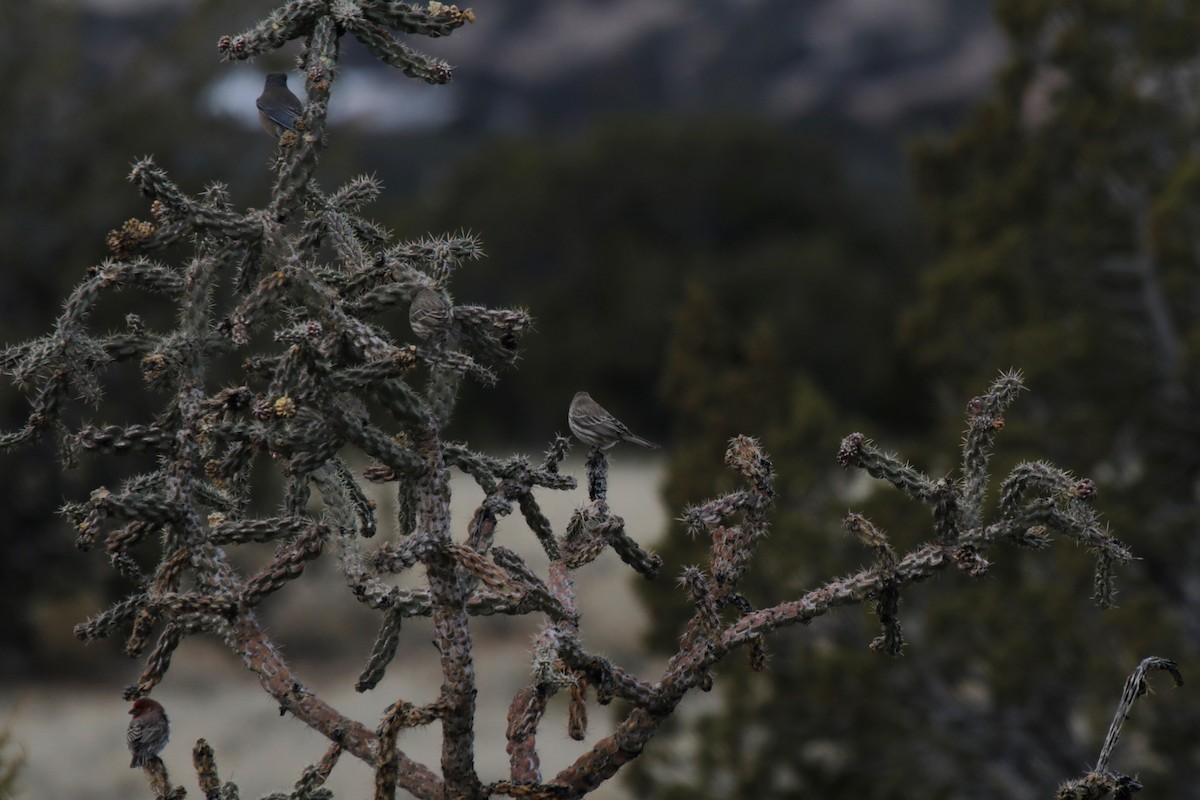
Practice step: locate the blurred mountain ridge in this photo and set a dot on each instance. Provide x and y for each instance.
(787, 59)
(554, 64)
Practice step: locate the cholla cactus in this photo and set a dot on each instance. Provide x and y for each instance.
(1103, 782)
(321, 376)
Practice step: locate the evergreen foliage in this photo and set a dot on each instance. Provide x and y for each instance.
(1065, 209)
(1063, 214)
(634, 214)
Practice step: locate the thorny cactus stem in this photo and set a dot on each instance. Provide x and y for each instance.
(597, 475)
(320, 377)
(1102, 782)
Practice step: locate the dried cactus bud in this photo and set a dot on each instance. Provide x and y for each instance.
(850, 452)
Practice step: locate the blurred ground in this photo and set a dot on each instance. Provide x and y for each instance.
(73, 735)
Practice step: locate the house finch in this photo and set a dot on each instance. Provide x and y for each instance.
(430, 314)
(594, 426)
(148, 731)
(277, 106)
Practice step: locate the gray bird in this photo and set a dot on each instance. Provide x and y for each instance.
(278, 108)
(430, 315)
(594, 426)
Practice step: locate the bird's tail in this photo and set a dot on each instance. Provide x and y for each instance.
(635, 439)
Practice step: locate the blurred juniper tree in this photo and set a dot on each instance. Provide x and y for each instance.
(635, 212)
(1066, 211)
(1063, 211)
(298, 299)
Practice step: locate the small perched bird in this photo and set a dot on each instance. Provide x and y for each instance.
(278, 108)
(594, 426)
(148, 731)
(430, 315)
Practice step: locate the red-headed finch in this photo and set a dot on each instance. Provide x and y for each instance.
(148, 731)
(594, 426)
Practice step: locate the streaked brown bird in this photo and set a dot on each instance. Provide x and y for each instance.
(594, 426)
(278, 108)
(148, 731)
(430, 315)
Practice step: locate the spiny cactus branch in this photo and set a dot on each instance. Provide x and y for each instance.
(1101, 781)
(300, 291)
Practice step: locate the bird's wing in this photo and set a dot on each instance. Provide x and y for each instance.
(137, 733)
(281, 116)
(430, 307)
(608, 426)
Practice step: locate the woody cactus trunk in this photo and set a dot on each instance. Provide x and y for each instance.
(298, 293)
